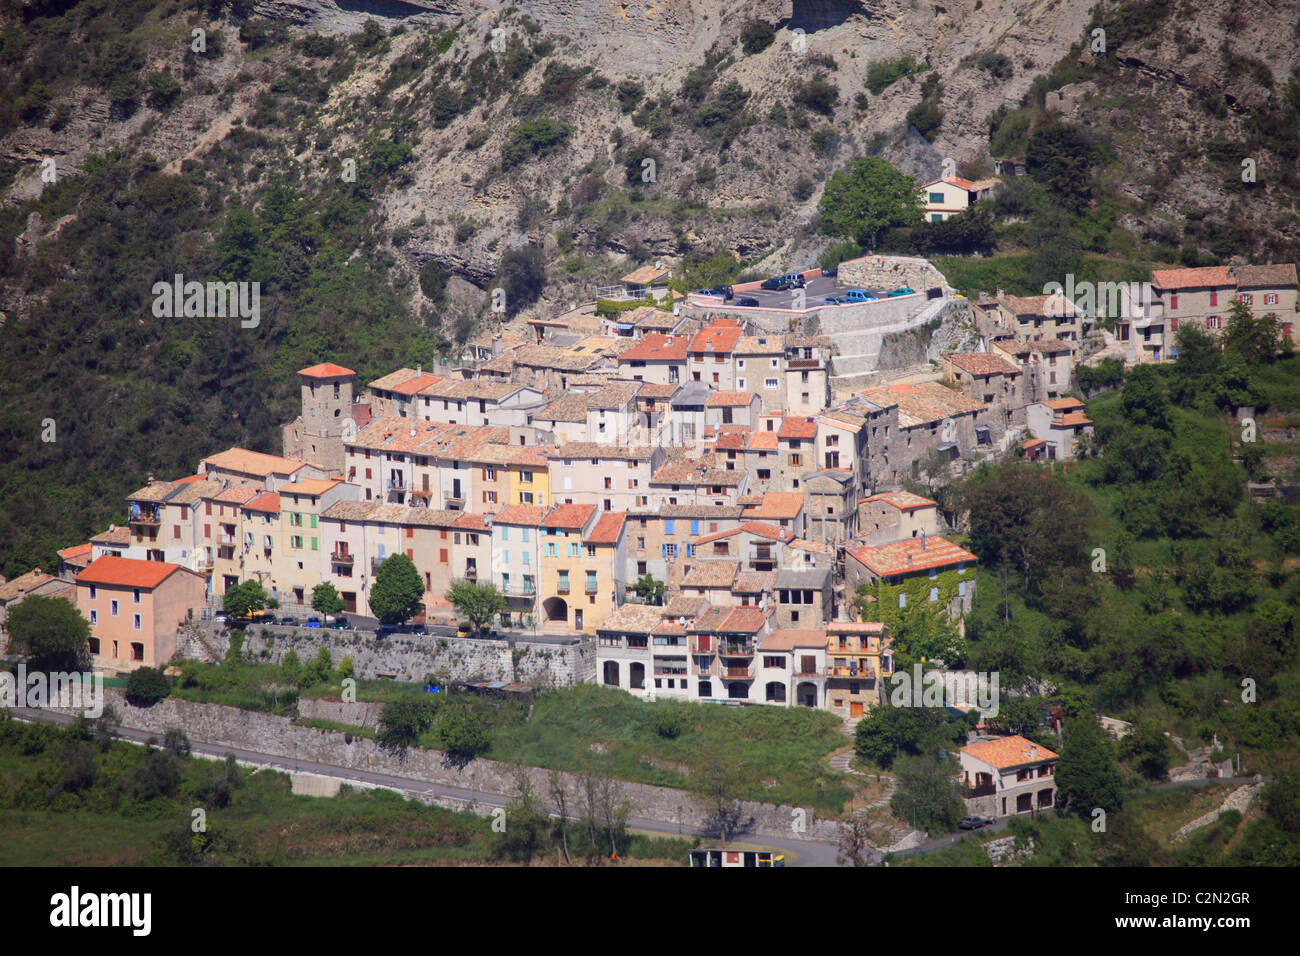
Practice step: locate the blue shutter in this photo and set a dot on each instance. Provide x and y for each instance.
(668, 526)
(663, 551)
(695, 526)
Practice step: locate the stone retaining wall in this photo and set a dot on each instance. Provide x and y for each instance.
(263, 733)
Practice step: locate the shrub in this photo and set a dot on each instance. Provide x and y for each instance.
(756, 36)
(146, 686)
(535, 137)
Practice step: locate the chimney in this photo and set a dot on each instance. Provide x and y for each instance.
(419, 370)
(922, 540)
(151, 478)
(909, 559)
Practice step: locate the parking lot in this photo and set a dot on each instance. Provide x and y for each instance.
(813, 292)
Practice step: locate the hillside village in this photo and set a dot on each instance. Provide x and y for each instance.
(679, 440)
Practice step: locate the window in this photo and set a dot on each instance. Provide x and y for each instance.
(936, 198)
(740, 384)
(135, 622)
(526, 477)
(176, 531)
(1247, 298)
(314, 545)
(1173, 301)
(505, 535)
(771, 383)
(94, 619)
(135, 595)
(1214, 299)
(562, 584)
(1212, 322)
(668, 526)
(137, 651)
(591, 550)
(1270, 298)
(591, 582)
(796, 460)
(112, 608)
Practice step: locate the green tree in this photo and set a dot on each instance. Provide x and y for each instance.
(1087, 776)
(401, 723)
(756, 36)
(146, 686)
(1059, 156)
(866, 198)
(395, 595)
(1144, 401)
(477, 602)
(462, 734)
(1256, 340)
(50, 633)
(527, 824)
(243, 598)
(888, 733)
(522, 276)
(648, 589)
(1148, 748)
(1282, 801)
(325, 599)
(928, 795)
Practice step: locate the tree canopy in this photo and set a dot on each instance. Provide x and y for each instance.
(396, 594)
(866, 198)
(51, 632)
(477, 602)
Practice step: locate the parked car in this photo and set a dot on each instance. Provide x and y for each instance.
(343, 624)
(794, 280)
(858, 295)
(831, 272)
(253, 617)
(974, 823)
(726, 291)
(902, 290)
(288, 620)
(776, 284)
(747, 302)
(220, 615)
(716, 293)
(312, 622)
(465, 630)
(832, 300)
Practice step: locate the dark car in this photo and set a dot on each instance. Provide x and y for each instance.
(776, 284)
(312, 622)
(717, 293)
(831, 272)
(746, 302)
(384, 630)
(725, 290)
(974, 823)
(343, 624)
(288, 620)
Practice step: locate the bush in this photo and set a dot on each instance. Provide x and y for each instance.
(669, 722)
(756, 36)
(535, 138)
(146, 686)
(997, 64)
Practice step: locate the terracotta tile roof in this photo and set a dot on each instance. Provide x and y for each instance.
(716, 338)
(432, 518)
(326, 370)
(569, 407)
(696, 472)
(1029, 443)
(189, 492)
(126, 572)
(468, 521)
(761, 441)
(777, 505)
(742, 620)
(645, 275)
(656, 347)
(855, 627)
(886, 560)
(314, 487)
(759, 345)
(615, 395)
(804, 544)
(731, 441)
(965, 184)
(392, 380)
(1201, 278)
(799, 428)
(711, 574)
(753, 582)
(113, 536)
(527, 515)
(251, 463)
(154, 493)
(535, 456)
(367, 511)
(236, 494)
(1045, 305)
(902, 500)
(1282, 276)
(922, 404)
(607, 529)
(20, 585)
(416, 383)
(633, 619)
(651, 390)
(787, 639)
(842, 419)
(572, 517)
(1071, 420)
(268, 501)
(1063, 404)
(765, 531)
(1008, 752)
(729, 399)
(983, 363)
(590, 449)
(75, 552)
(683, 606)
(550, 356)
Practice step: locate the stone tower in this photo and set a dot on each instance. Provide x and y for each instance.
(317, 435)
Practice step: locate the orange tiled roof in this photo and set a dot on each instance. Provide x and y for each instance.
(325, 370)
(126, 572)
(729, 399)
(715, 338)
(530, 515)
(902, 500)
(569, 516)
(252, 462)
(657, 347)
(607, 528)
(777, 504)
(1071, 420)
(983, 363)
(645, 275)
(1063, 404)
(236, 495)
(886, 560)
(1008, 752)
(76, 551)
(267, 501)
(800, 428)
(1200, 278)
(313, 487)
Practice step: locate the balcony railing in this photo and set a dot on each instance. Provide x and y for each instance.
(735, 650)
(471, 574)
(342, 557)
(145, 517)
(980, 790)
(861, 673)
(397, 484)
(708, 670)
(741, 672)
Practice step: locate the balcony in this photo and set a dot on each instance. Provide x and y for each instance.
(729, 649)
(342, 557)
(743, 673)
(471, 573)
(396, 484)
(859, 673)
(145, 517)
(708, 670)
(518, 590)
(981, 789)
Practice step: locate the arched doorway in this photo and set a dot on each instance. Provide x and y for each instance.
(637, 674)
(611, 673)
(556, 609)
(775, 692)
(806, 694)
(738, 690)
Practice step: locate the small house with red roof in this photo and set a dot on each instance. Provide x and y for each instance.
(1059, 423)
(902, 573)
(135, 608)
(1006, 776)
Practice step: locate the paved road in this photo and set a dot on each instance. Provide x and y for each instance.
(798, 852)
(814, 291)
